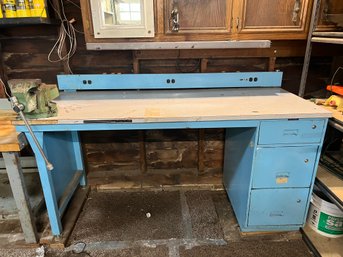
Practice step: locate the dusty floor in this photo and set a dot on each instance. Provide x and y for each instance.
(171, 223)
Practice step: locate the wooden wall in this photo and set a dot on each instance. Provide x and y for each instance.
(24, 53)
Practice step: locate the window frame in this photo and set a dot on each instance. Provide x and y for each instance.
(102, 30)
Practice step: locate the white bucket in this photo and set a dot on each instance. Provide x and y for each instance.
(324, 217)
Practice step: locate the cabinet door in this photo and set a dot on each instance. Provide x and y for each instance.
(271, 15)
(197, 16)
(329, 10)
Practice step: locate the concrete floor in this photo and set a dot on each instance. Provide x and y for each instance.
(169, 223)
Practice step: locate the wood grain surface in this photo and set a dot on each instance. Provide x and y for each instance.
(8, 135)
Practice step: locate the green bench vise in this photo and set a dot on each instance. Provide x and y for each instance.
(35, 96)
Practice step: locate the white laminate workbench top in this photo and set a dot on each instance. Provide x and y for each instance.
(183, 105)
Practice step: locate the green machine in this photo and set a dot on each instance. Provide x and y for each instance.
(35, 96)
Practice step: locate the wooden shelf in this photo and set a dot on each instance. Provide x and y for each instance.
(11, 22)
(328, 34)
(330, 185)
(327, 40)
(321, 245)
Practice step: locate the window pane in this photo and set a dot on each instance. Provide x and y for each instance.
(124, 7)
(122, 12)
(136, 16)
(125, 16)
(135, 7)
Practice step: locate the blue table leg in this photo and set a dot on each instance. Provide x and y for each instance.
(78, 156)
(47, 185)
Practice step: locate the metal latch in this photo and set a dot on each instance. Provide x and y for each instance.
(175, 20)
(296, 11)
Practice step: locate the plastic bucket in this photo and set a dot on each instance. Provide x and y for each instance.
(324, 217)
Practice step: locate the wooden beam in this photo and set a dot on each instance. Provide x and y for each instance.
(203, 65)
(142, 152)
(201, 152)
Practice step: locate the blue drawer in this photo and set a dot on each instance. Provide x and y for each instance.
(284, 167)
(291, 131)
(270, 207)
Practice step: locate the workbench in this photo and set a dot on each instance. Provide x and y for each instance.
(11, 143)
(272, 144)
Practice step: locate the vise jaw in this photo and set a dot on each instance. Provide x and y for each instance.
(35, 96)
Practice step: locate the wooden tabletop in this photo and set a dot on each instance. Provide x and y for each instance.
(182, 105)
(332, 182)
(10, 140)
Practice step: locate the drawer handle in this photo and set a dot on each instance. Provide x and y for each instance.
(306, 160)
(298, 201)
(314, 126)
(291, 132)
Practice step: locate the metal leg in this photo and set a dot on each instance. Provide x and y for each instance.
(16, 178)
(47, 185)
(78, 157)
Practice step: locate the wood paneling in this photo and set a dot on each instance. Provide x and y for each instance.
(196, 16)
(329, 7)
(271, 13)
(277, 20)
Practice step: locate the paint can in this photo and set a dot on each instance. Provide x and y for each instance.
(38, 8)
(324, 217)
(9, 8)
(23, 9)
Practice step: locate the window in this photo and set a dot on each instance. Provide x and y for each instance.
(122, 18)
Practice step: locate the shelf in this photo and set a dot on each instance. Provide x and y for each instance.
(10, 22)
(328, 34)
(231, 44)
(321, 245)
(330, 185)
(327, 40)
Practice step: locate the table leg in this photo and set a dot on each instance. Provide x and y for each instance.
(78, 156)
(17, 182)
(47, 185)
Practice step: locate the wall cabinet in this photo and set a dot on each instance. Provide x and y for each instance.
(329, 9)
(197, 16)
(269, 16)
(216, 20)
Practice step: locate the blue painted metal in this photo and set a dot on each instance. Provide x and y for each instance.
(47, 184)
(273, 168)
(278, 206)
(169, 81)
(291, 131)
(257, 152)
(240, 145)
(320, 145)
(78, 157)
(251, 147)
(252, 166)
(65, 164)
(142, 126)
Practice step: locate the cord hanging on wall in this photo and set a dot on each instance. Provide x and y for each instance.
(66, 44)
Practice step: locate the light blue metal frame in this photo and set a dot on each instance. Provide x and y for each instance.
(62, 145)
(169, 81)
(243, 170)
